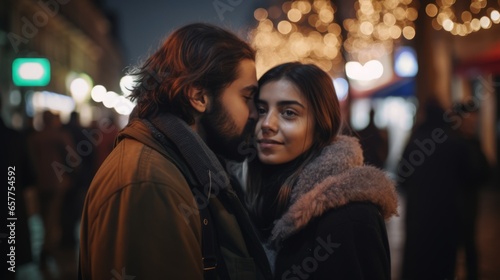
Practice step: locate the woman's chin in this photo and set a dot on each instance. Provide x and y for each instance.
(269, 159)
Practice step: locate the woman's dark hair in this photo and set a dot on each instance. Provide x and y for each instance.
(196, 55)
(317, 88)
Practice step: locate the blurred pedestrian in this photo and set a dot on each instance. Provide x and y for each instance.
(434, 172)
(478, 173)
(51, 151)
(374, 142)
(108, 130)
(80, 177)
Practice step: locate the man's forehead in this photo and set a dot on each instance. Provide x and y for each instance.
(246, 77)
(252, 87)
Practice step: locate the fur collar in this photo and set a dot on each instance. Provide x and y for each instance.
(333, 179)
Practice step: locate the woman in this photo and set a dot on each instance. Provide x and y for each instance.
(320, 211)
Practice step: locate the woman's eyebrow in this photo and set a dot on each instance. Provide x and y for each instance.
(290, 102)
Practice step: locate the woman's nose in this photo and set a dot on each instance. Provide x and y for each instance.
(270, 123)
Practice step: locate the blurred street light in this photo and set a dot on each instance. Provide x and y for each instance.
(98, 92)
(79, 85)
(31, 71)
(126, 85)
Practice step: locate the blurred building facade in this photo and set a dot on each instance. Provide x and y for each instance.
(77, 37)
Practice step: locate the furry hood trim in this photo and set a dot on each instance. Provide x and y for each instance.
(333, 179)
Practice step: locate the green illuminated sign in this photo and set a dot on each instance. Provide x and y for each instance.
(31, 72)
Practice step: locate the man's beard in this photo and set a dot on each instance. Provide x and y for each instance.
(222, 133)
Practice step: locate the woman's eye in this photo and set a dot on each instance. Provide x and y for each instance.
(261, 111)
(289, 113)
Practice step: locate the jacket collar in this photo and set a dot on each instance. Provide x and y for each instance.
(139, 131)
(201, 160)
(333, 179)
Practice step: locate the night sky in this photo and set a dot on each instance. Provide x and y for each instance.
(143, 24)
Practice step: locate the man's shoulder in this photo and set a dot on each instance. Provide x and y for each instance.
(133, 164)
(137, 161)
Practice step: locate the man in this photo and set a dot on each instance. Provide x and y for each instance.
(142, 212)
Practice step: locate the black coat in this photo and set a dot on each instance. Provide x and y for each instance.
(349, 242)
(439, 176)
(334, 227)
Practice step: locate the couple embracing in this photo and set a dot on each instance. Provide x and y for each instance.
(168, 202)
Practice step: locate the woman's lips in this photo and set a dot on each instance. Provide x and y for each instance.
(268, 143)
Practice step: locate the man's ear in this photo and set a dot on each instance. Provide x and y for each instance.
(198, 99)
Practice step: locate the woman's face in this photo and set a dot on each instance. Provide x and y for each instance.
(285, 127)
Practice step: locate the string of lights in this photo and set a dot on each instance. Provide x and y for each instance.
(308, 30)
(480, 15)
(377, 24)
(298, 31)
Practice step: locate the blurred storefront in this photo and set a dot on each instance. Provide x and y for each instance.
(77, 38)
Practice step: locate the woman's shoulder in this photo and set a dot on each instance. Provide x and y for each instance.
(353, 214)
(355, 223)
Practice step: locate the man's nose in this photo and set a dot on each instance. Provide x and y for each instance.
(253, 111)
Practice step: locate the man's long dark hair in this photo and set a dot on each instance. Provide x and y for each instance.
(198, 55)
(317, 88)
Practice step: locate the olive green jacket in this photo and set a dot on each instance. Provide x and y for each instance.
(140, 219)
